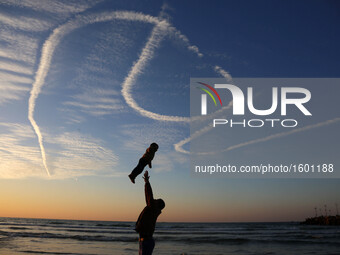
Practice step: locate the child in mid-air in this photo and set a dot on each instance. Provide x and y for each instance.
(143, 161)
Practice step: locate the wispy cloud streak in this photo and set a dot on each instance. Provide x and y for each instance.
(278, 135)
(81, 155)
(18, 47)
(18, 159)
(222, 72)
(24, 23)
(10, 91)
(15, 78)
(179, 145)
(52, 6)
(17, 68)
(49, 46)
(74, 154)
(97, 102)
(157, 34)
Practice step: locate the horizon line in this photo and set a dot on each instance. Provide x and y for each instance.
(38, 218)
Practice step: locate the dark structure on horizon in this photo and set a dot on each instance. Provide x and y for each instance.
(323, 220)
(327, 220)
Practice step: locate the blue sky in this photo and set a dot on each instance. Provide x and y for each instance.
(107, 78)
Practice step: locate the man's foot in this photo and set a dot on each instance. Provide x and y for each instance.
(132, 179)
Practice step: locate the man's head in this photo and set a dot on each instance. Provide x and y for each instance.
(154, 146)
(160, 204)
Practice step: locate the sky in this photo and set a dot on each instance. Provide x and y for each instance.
(86, 86)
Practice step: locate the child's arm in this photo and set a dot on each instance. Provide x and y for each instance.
(148, 190)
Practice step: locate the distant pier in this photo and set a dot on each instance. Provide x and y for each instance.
(323, 221)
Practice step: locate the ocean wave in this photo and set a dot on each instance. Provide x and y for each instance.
(172, 238)
(100, 238)
(114, 225)
(57, 223)
(65, 225)
(189, 233)
(55, 253)
(18, 228)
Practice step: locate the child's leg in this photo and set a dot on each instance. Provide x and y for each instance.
(139, 168)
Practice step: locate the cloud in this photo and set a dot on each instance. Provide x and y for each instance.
(55, 7)
(24, 23)
(179, 145)
(18, 47)
(101, 105)
(139, 136)
(13, 86)
(278, 135)
(72, 116)
(162, 26)
(157, 34)
(77, 154)
(93, 101)
(12, 54)
(8, 77)
(17, 54)
(18, 130)
(99, 108)
(165, 162)
(9, 91)
(71, 154)
(15, 67)
(97, 102)
(146, 55)
(223, 73)
(195, 49)
(18, 159)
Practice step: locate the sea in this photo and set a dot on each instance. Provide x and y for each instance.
(46, 236)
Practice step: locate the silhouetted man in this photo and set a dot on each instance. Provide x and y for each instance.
(146, 222)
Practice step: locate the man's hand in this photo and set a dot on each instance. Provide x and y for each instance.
(146, 176)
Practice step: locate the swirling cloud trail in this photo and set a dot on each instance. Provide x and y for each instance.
(162, 27)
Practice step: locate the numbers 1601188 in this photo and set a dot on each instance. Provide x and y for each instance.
(321, 168)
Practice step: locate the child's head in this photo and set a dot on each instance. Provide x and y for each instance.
(154, 146)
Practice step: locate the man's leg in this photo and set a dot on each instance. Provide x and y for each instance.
(140, 248)
(146, 247)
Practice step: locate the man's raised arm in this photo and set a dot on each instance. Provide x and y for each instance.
(148, 190)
